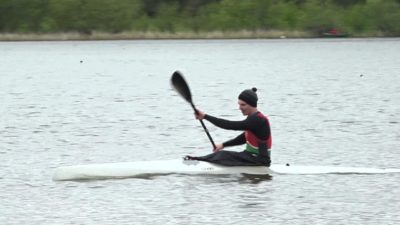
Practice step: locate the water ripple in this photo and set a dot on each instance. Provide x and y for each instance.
(117, 107)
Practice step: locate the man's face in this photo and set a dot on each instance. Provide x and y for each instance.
(244, 107)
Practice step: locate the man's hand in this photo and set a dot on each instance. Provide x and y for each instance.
(199, 114)
(218, 147)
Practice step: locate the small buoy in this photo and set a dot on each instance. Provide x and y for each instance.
(287, 164)
(361, 75)
(81, 61)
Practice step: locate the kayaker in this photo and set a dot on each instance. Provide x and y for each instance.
(256, 135)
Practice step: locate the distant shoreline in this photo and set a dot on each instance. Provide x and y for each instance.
(75, 36)
(151, 35)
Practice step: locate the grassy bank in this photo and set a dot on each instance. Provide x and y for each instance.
(71, 36)
(151, 35)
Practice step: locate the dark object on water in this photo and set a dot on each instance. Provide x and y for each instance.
(334, 33)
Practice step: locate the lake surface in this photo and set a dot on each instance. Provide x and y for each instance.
(330, 102)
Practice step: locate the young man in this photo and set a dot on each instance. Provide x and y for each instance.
(256, 135)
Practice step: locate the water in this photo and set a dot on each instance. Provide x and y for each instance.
(330, 102)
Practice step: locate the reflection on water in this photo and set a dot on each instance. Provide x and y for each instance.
(218, 178)
(254, 179)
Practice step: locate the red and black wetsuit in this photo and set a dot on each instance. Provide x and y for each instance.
(256, 136)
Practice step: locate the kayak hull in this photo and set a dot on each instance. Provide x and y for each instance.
(192, 167)
(142, 168)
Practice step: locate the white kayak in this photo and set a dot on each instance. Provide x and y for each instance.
(191, 167)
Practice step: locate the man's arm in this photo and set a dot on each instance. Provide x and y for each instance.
(250, 123)
(239, 140)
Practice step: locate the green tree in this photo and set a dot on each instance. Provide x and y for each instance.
(235, 15)
(384, 15)
(284, 16)
(318, 16)
(86, 16)
(22, 15)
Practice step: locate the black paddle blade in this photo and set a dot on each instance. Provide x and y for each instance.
(181, 86)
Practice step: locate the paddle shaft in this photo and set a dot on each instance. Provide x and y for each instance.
(204, 127)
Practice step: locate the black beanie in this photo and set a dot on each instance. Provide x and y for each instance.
(249, 96)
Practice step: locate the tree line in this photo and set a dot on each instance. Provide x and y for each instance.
(359, 17)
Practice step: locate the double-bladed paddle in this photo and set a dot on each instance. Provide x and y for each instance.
(182, 88)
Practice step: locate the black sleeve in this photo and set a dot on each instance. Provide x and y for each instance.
(250, 123)
(239, 140)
